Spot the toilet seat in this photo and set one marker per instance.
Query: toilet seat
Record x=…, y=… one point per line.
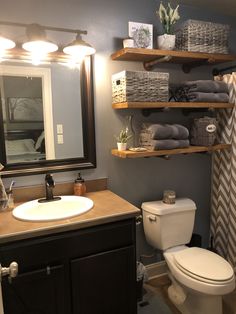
x=204, y=265
x=194, y=278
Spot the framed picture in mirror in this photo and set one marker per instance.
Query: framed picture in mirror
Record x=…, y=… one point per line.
x=25, y=109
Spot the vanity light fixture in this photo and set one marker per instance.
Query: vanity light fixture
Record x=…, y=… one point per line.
x=79, y=48
x=38, y=45
x=5, y=44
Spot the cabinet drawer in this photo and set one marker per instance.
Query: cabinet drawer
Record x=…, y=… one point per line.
x=38, y=251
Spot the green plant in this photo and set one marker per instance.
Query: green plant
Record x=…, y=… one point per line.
x=168, y=17
x=123, y=137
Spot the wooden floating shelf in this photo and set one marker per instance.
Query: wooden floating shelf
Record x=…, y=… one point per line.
x=147, y=55
x=177, y=151
x=151, y=105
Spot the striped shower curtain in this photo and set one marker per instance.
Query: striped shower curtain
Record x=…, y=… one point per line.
x=223, y=202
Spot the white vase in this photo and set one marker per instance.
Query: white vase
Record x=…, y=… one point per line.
x=128, y=43
x=121, y=146
x=166, y=42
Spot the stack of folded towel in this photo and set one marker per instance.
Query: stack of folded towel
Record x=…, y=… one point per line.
x=163, y=136
x=204, y=91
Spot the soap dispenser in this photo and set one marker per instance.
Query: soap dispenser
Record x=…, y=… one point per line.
x=79, y=186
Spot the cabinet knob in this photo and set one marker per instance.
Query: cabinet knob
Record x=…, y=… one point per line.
x=139, y=220
x=10, y=271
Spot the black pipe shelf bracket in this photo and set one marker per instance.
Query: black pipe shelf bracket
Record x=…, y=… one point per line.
x=188, y=66
x=216, y=71
x=149, y=65
x=188, y=111
x=146, y=112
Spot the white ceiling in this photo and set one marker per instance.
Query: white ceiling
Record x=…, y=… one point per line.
x=227, y=7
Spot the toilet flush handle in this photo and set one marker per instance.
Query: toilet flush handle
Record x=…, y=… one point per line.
x=151, y=218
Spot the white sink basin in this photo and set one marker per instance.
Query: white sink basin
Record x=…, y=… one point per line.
x=67, y=207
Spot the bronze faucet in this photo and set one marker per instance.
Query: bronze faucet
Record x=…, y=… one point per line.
x=49, y=186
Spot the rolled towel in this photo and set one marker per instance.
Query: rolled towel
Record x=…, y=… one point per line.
x=208, y=97
x=165, y=144
x=165, y=131
x=207, y=86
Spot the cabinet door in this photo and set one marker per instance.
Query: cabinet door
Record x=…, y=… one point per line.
x=36, y=292
x=104, y=283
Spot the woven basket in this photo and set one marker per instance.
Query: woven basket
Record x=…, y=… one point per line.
x=140, y=86
x=200, y=36
x=203, y=131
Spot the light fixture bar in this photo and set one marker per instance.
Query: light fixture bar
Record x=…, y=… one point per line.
x=51, y=28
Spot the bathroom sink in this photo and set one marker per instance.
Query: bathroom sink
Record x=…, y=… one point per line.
x=66, y=207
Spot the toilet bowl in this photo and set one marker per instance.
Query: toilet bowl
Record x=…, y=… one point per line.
x=199, y=277
x=199, y=280
x=200, y=270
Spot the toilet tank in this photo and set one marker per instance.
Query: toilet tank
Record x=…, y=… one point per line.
x=168, y=225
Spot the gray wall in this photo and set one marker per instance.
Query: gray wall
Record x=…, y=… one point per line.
x=135, y=180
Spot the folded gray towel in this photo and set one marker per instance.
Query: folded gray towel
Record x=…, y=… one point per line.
x=208, y=97
x=165, y=131
x=207, y=86
x=165, y=144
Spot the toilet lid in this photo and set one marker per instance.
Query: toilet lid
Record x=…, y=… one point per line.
x=204, y=264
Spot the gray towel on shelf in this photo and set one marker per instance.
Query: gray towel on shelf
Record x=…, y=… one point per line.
x=208, y=97
x=165, y=144
x=165, y=131
x=207, y=86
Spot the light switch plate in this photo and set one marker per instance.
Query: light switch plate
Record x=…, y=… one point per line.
x=59, y=129
x=60, y=139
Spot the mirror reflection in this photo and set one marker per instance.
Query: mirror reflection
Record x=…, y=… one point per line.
x=41, y=110
x=46, y=117
x=22, y=110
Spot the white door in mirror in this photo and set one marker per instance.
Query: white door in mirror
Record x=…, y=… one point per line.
x=68, y=206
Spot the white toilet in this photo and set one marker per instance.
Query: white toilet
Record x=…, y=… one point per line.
x=199, y=277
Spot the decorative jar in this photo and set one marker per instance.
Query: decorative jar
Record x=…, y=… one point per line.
x=166, y=42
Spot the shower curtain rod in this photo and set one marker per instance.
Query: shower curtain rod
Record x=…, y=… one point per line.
x=216, y=71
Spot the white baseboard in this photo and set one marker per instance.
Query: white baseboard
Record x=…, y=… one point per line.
x=156, y=269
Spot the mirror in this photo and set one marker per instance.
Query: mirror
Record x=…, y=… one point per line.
x=47, y=118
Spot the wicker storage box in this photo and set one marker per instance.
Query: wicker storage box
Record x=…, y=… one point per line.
x=200, y=36
x=140, y=86
x=203, y=131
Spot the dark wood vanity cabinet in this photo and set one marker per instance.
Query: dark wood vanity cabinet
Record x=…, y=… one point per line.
x=88, y=271
x=35, y=292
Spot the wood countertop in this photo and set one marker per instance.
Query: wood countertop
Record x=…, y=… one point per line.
x=108, y=207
